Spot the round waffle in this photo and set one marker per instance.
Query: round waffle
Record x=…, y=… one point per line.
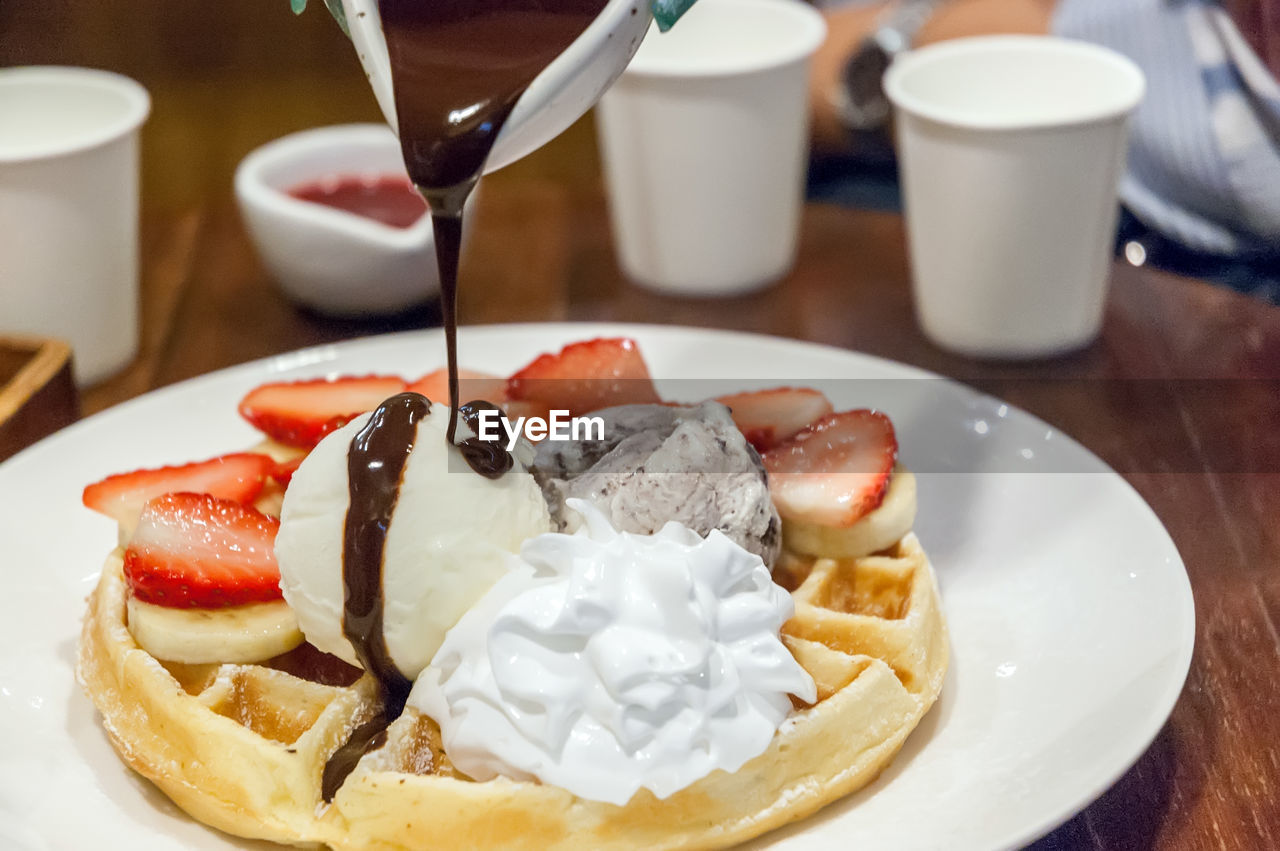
x=242, y=747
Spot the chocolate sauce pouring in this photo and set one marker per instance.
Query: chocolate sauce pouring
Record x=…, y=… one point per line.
x=457, y=67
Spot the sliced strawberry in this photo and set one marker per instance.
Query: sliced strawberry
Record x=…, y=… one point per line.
x=300, y=413
x=835, y=471
x=586, y=376
x=768, y=417
x=238, y=477
x=472, y=385
x=283, y=471
x=197, y=551
x=527, y=408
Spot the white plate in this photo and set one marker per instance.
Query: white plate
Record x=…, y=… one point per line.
x=1070, y=613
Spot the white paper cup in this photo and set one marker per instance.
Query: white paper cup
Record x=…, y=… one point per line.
x=69, y=211
x=1011, y=149
x=705, y=140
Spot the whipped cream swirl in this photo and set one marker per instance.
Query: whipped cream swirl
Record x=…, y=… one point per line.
x=607, y=662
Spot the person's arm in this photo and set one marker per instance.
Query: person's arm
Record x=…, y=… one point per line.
x=953, y=19
x=1259, y=23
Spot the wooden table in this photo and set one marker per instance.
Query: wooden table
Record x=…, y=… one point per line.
x=1181, y=394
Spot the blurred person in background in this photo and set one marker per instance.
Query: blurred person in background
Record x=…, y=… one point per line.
x=1202, y=192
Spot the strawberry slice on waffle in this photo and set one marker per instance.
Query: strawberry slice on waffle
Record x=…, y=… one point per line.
x=584, y=377
x=282, y=472
x=300, y=413
x=767, y=418
x=198, y=551
x=835, y=471
x=472, y=385
x=238, y=477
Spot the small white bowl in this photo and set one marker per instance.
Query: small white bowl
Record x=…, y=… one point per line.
x=330, y=260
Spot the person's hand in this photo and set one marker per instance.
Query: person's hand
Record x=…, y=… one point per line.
x=846, y=28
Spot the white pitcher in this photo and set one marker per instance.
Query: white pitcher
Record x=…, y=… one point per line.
x=559, y=96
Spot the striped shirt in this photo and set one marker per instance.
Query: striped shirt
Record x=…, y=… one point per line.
x=1204, y=156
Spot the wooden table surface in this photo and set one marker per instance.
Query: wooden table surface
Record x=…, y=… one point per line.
x=1181, y=394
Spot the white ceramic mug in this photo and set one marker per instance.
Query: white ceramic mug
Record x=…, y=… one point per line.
x=69, y=211
x=705, y=141
x=559, y=96
x=1011, y=150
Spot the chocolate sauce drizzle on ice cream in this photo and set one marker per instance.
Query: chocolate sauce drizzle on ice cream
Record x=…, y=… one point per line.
x=486, y=457
x=375, y=466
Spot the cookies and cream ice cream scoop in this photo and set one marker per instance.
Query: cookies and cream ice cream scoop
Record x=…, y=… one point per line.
x=660, y=463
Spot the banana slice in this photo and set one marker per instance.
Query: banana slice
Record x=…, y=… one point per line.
x=879, y=530
x=249, y=633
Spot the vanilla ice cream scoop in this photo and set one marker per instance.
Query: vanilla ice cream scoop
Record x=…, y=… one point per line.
x=447, y=542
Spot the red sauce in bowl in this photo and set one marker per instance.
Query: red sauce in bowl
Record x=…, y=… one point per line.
x=389, y=199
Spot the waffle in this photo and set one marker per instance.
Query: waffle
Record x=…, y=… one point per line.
x=242, y=747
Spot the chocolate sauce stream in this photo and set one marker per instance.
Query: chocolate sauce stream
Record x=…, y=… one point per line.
x=457, y=68
x=448, y=233
x=489, y=459
x=375, y=468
